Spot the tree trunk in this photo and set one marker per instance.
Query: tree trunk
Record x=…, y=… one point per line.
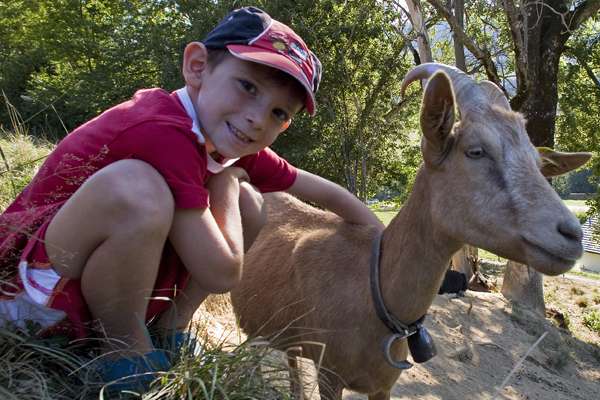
x=524, y=285
x=466, y=261
x=416, y=16
x=459, y=49
x=539, y=102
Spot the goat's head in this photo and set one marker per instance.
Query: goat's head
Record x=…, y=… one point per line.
x=489, y=188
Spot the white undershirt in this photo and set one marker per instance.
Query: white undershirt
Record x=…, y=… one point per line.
x=212, y=165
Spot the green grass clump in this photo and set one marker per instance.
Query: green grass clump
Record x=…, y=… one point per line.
x=248, y=371
x=21, y=156
x=592, y=320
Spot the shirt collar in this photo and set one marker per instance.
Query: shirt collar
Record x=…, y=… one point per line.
x=212, y=165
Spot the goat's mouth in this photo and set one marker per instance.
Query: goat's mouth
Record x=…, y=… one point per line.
x=548, y=261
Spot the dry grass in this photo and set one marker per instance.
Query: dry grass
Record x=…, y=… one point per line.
x=56, y=369
x=40, y=369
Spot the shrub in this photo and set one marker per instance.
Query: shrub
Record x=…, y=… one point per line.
x=592, y=320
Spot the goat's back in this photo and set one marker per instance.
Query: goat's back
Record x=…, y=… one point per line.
x=304, y=259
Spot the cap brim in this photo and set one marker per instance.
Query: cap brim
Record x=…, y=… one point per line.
x=279, y=62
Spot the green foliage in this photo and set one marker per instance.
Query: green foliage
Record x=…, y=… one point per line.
x=580, y=181
x=578, y=126
x=64, y=61
x=82, y=57
x=359, y=134
x=592, y=320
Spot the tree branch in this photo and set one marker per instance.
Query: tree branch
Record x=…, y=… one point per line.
x=588, y=70
x=516, y=30
x=582, y=12
x=482, y=55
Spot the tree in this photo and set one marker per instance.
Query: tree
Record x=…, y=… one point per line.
x=358, y=135
x=86, y=55
x=65, y=61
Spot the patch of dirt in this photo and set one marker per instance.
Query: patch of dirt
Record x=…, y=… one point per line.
x=477, y=350
x=480, y=338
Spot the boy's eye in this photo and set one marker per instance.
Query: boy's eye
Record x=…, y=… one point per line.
x=248, y=86
x=281, y=115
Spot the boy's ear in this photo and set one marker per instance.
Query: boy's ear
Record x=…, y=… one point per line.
x=285, y=125
x=195, y=57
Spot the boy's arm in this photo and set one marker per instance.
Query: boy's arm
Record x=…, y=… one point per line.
x=210, y=242
x=333, y=197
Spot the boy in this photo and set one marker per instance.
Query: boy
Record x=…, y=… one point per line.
x=119, y=214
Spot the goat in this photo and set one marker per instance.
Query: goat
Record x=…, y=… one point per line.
x=306, y=278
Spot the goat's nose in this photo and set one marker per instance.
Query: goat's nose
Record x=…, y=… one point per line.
x=570, y=229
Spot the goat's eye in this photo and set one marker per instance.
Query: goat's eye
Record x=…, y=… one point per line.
x=475, y=152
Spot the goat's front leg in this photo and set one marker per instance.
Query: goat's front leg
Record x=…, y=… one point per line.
x=383, y=395
x=296, y=383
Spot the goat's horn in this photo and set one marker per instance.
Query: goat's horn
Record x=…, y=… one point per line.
x=495, y=94
x=466, y=90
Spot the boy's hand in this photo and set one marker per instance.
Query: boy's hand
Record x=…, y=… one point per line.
x=236, y=173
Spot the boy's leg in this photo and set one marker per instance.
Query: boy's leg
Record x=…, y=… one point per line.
x=111, y=234
x=254, y=217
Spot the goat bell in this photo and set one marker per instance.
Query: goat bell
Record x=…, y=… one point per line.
x=421, y=345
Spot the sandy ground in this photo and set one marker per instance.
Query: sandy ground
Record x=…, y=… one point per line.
x=477, y=350
x=480, y=338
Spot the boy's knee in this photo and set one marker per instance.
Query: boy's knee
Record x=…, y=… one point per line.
x=135, y=191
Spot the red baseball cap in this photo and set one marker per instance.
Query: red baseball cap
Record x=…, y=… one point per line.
x=251, y=34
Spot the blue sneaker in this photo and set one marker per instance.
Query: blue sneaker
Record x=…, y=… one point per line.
x=181, y=342
x=132, y=373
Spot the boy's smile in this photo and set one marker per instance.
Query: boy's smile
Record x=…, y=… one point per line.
x=241, y=107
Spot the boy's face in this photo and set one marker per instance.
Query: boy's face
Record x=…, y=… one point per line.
x=241, y=107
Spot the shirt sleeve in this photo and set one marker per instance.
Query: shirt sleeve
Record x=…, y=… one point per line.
x=174, y=153
x=268, y=171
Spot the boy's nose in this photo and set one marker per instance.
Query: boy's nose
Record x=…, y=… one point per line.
x=256, y=117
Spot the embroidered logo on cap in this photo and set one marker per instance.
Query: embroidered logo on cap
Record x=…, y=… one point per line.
x=279, y=45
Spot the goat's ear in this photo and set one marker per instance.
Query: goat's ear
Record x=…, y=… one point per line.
x=556, y=163
x=437, y=118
